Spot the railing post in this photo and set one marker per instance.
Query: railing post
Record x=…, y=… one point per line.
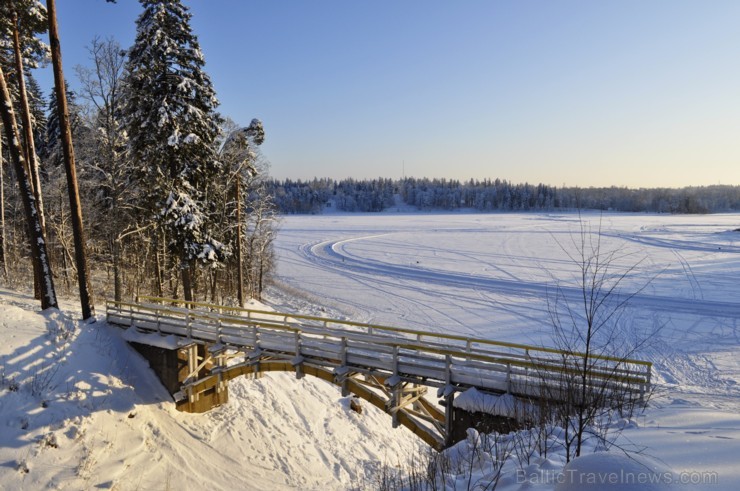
x=396, y=390
x=345, y=376
x=221, y=365
x=298, y=359
x=256, y=366
x=449, y=403
x=344, y=351
x=645, y=386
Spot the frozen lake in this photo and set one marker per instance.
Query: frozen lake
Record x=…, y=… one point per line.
x=498, y=275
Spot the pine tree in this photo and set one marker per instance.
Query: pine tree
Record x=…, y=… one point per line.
x=75, y=206
x=171, y=122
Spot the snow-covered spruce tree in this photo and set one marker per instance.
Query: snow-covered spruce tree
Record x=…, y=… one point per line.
x=171, y=122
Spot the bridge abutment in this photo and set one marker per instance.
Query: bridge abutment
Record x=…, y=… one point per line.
x=173, y=366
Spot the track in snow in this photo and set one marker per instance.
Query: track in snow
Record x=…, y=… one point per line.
x=491, y=276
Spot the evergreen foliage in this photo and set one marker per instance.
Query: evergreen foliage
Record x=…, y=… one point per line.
x=296, y=196
x=171, y=121
x=32, y=20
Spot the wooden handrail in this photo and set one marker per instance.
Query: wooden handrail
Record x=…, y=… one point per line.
x=467, y=340
x=551, y=365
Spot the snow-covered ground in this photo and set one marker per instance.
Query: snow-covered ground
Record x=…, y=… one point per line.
x=490, y=275
x=80, y=410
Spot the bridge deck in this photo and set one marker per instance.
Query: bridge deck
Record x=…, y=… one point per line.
x=450, y=363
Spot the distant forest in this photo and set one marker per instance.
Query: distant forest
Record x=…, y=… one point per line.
x=296, y=196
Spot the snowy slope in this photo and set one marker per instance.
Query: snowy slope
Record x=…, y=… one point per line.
x=81, y=410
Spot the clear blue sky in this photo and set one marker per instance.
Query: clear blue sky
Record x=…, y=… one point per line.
x=607, y=92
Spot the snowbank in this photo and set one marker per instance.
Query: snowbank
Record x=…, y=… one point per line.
x=80, y=409
x=473, y=400
x=614, y=471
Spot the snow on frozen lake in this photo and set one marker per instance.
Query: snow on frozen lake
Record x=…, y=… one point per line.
x=490, y=275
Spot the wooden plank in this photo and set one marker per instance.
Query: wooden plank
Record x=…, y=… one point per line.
x=365, y=349
x=419, y=334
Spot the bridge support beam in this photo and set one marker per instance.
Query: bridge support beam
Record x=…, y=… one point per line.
x=173, y=366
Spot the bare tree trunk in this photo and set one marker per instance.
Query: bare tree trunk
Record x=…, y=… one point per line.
x=88, y=309
x=29, y=147
x=117, y=285
x=3, y=258
x=159, y=274
x=187, y=284
x=214, y=285
x=260, y=280
x=36, y=233
x=239, y=263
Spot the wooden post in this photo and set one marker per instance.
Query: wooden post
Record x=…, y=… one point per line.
x=345, y=383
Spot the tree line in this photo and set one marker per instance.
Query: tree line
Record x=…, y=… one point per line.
x=488, y=195
x=173, y=194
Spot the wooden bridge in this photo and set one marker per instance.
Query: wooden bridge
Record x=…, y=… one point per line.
x=391, y=368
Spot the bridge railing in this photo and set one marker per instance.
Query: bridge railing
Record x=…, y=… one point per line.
x=468, y=361
x=428, y=338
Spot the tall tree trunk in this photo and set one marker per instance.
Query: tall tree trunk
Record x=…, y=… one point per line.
x=29, y=147
x=88, y=309
x=158, y=272
x=187, y=281
x=3, y=257
x=214, y=285
x=117, y=285
x=35, y=232
x=239, y=263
